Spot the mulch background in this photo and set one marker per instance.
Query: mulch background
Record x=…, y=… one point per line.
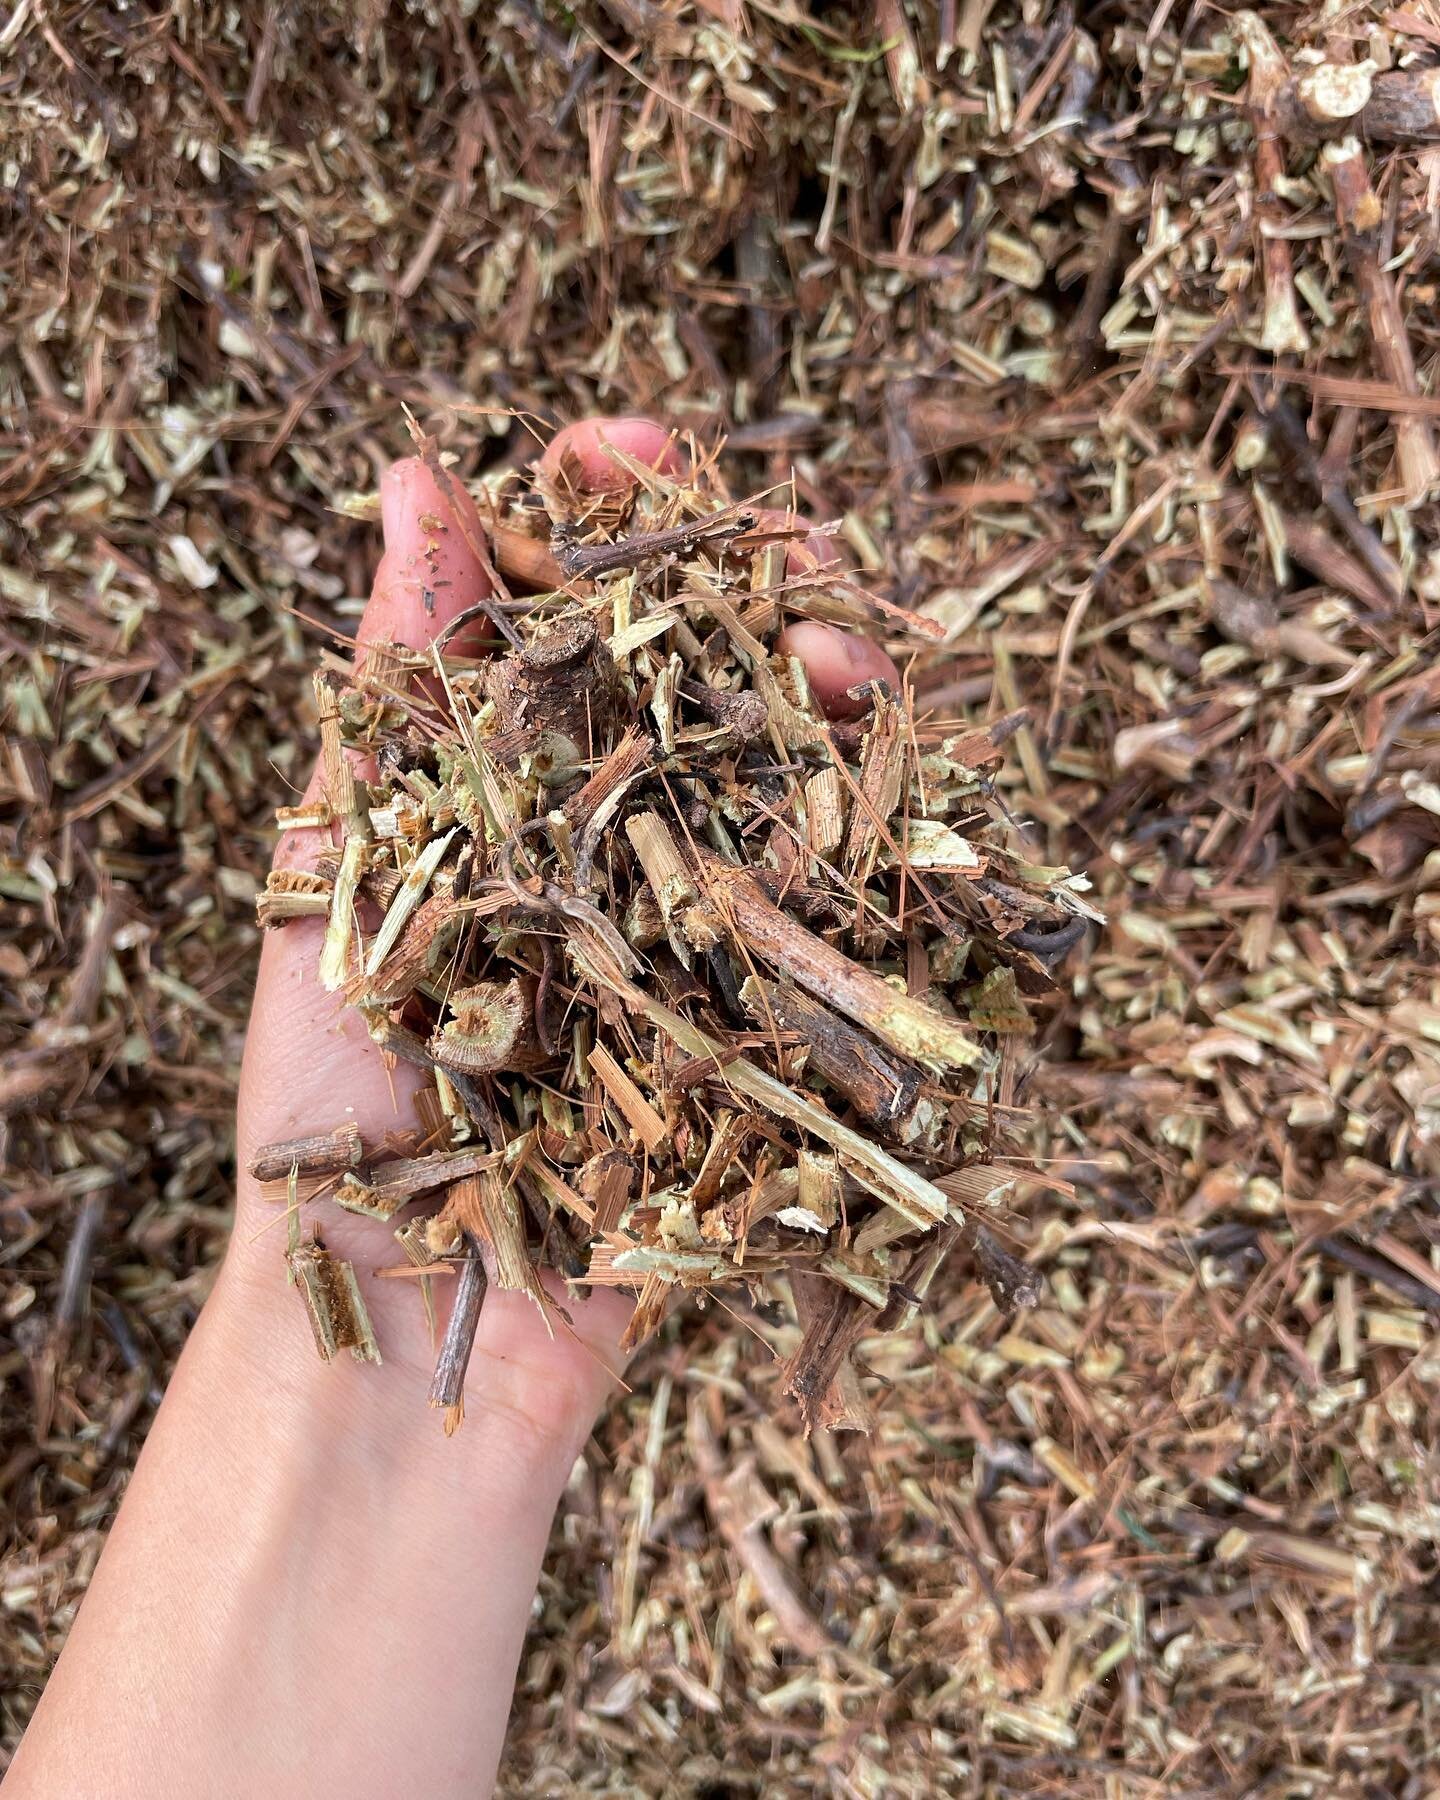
x=989, y=282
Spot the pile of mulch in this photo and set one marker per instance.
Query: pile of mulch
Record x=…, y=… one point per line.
x=1107, y=340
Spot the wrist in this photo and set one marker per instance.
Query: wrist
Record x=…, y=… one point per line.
x=302, y=1552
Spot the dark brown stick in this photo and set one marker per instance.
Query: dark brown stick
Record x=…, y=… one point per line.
x=1281, y=417
x=1309, y=543
x=1125, y=205
x=382, y=1191
x=1365, y=1262
x=330, y=1153
x=755, y=263
x=558, y=1245
x=1280, y=329
x=1012, y=1283
x=581, y=561
x=400, y=1041
x=79, y=1254
x=833, y=1320
x=734, y=904
x=447, y=1389
x=883, y=1088
x=1049, y=944
x=745, y=714
x=50, y=1351
x=559, y=681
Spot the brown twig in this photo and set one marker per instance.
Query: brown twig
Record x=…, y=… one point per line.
x=1393, y=106
x=1126, y=201
x=1359, y=213
x=1276, y=411
x=1013, y=1284
x=589, y=560
x=883, y=1088
x=1281, y=331
x=447, y=1389
x=731, y=902
x=330, y=1153
x=1380, y=1269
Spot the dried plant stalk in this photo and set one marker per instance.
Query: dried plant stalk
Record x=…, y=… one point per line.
x=1280, y=330
x=339, y=778
x=882, y=776
x=500, y=1225
x=734, y=902
x=447, y=1389
x=909, y=1194
x=330, y=1153
x=1360, y=216
x=333, y=1301
x=292, y=894
x=649, y=1128
x=335, y=950
x=407, y=897
x=834, y=1319
x=382, y=1191
x=494, y=1027
x=1391, y=106
x=883, y=1088
x=670, y=880
x=825, y=811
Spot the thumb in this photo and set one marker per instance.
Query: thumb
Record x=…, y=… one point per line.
x=309, y=1063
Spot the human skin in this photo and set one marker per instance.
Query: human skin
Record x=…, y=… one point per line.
x=309, y=1588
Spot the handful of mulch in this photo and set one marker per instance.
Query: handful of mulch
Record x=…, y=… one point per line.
x=715, y=989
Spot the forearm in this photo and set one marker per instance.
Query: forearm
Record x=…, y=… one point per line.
x=309, y=1587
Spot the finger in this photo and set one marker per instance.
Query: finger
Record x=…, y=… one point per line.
x=435, y=565
x=584, y=444
x=836, y=661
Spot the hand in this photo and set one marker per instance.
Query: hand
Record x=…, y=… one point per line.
x=310, y=1588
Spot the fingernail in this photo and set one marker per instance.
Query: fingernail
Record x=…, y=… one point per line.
x=636, y=436
x=836, y=661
